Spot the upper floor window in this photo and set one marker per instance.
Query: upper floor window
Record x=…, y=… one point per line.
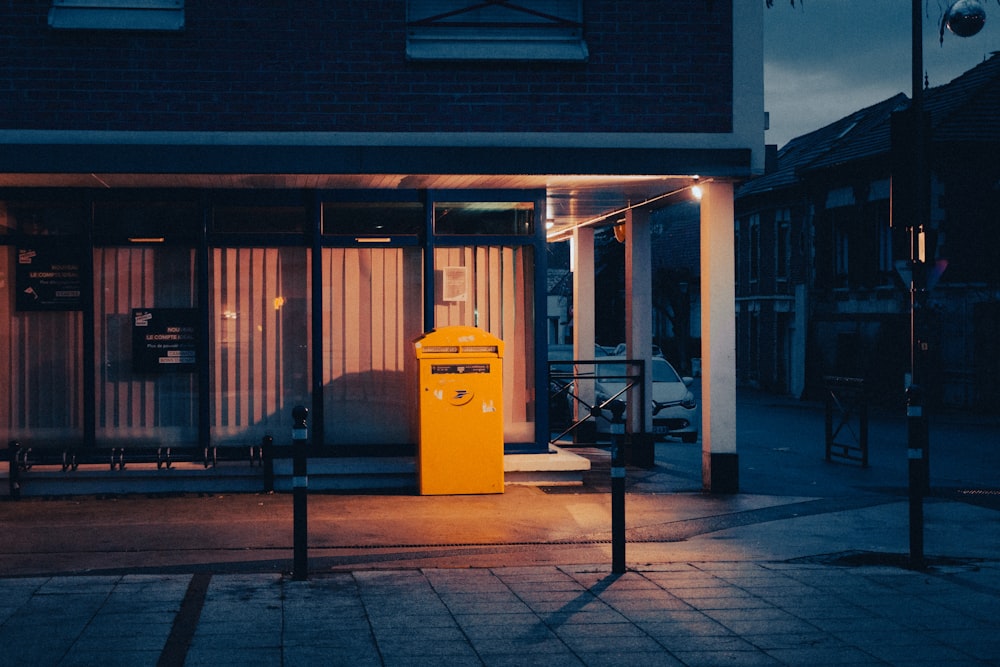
x=495, y=30
x=117, y=14
x=753, y=249
x=841, y=250
x=783, y=244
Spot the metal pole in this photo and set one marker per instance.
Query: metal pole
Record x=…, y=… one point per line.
x=300, y=489
x=13, y=447
x=267, y=462
x=916, y=420
x=617, y=489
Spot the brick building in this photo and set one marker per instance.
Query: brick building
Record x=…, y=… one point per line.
x=819, y=291
x=288, y=195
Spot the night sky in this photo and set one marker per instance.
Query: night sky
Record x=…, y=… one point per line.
x=824, y=59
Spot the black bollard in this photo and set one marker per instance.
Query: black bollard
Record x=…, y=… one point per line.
x=267, y=462
x=617, y=487
x=919, y=478
x=300, y=490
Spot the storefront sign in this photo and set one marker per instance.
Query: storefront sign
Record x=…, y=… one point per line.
x=164, y=340
x=49, y=278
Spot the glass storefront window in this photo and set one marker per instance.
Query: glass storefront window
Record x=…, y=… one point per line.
x=259, y=220
x=40, y=356
x=7, y=221
x=37, y=219
x=484, y=218
x=373, y=219
x=260, y=350
x=156, y=405
x=259, y=308
x=41, y=321
x=372, y=311
x=146, y=222
x=490, y=287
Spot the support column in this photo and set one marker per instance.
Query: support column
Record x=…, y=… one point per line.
x=583, y=293
x=639, y=308
x=720, y=461
x=582, y=253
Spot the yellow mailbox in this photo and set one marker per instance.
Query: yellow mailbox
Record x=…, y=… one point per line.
x=460, y=445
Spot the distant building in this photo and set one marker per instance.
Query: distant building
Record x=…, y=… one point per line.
x=818, y=291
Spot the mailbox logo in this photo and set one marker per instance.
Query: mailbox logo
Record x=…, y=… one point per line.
x=461, y=397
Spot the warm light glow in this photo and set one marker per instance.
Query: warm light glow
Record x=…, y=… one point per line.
x=145, y=239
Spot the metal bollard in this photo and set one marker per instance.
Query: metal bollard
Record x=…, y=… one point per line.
x=300, y=489
x=919, y=477
x=617, y=487
x=267, y=462
x=13, y=447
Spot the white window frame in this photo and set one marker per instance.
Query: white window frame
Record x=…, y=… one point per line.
x=117, y=15
x=495, y=30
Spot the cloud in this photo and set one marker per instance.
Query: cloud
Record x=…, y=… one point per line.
x=827, y=58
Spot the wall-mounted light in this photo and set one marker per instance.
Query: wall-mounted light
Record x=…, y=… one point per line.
x=619, y=229
x=696, y=190
x=145, y=239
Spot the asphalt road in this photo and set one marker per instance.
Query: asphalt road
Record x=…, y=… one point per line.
x=793, y=504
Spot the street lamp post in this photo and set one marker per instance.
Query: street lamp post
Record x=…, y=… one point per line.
x=917, y=440
x=963, y=18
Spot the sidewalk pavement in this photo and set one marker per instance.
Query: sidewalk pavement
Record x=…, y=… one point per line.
x=724, y=613
x=785, y=584
x=771, y=576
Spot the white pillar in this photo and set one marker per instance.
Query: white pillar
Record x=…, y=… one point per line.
x=583, y=318
x=639, y=307
x=583, y=293
x=720, y=462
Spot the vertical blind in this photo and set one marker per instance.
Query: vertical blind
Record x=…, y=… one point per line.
x=140, y=408
x=260, y=341
x=41, y=365
x=372, y=311
x=498, y=300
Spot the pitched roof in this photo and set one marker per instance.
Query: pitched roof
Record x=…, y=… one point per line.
x=962, y=110
x=966, y=108
x=807, y=150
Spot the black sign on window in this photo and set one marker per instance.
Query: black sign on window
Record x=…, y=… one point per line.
x=164, y=340
x=49, y=278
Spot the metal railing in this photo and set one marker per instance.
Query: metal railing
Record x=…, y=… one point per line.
x=592, y=391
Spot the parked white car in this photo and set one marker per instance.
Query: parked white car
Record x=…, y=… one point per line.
x=675, y=412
